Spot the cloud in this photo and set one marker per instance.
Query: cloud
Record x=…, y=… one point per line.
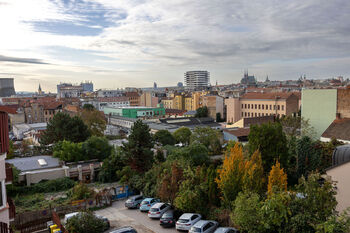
x=21, y=60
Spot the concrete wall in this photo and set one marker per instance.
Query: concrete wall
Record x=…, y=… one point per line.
x=341, y=175
x=319, y=107
x=343, y=103
x=48, y=174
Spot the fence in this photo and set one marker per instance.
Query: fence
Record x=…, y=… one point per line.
x=4, y=228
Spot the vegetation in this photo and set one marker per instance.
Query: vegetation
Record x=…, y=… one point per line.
x=208, y=137
x=183, y=135
x=164, y=137
x=63, y=127
x=86, y=222
x=202, y=112
x=94, y=120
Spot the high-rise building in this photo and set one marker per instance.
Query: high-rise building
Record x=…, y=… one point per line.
x=7, y=87
x=194, y=79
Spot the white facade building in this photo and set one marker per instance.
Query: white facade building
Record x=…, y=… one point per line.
x=198, y=78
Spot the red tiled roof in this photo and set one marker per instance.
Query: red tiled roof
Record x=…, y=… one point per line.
x=52, y=105
x=339, y=129
x=132, y=94
x=269, y=95
x=8, y=109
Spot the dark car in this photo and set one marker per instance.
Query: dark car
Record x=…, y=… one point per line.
x=169, y=218
x=124, y=230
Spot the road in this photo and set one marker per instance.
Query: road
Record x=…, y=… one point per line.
x=120, y=216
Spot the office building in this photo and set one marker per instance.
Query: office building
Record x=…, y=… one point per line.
x=197, y=79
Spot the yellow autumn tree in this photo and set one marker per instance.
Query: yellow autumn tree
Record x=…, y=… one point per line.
x=277, y=179
x=238, y=173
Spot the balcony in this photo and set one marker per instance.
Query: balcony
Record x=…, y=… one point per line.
x=9, y=173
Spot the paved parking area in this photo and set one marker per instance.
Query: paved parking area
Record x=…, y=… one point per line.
x=120, y=216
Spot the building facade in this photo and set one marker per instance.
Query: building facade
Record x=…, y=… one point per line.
x=7, y=87
x=215, y=104
x=261, y=104
x=195, y=79
x=135, y=112
x=34, y=113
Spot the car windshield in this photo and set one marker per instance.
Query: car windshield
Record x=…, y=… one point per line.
x=154, y=209
x=168, y=215
x=145, y=202
x=195, y=229
x=183, y=220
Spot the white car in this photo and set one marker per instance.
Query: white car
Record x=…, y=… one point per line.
x=226, y=230
x=158, y=209
x=204, y=226
x=186, y=221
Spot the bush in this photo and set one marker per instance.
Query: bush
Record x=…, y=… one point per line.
x=86, y=222
x=81, y=191
x=56, y=185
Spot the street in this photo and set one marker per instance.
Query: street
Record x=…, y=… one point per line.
x=120, y=216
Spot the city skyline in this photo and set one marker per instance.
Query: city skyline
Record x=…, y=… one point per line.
x=116, y=44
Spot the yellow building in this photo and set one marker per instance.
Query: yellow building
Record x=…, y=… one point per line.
x=179, y=102
x=168, y=103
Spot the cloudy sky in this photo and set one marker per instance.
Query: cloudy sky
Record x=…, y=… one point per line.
x=119, y=43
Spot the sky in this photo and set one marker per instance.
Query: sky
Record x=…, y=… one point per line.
x=133, y=43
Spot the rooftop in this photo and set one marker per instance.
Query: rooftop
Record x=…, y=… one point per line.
x=339, y=129
x=270, y=95
x=32, y=163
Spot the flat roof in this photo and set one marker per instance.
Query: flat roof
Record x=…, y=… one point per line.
x=32, y=163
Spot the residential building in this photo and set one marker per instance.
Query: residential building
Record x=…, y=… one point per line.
x=168, y=102
x=179, y=102
x=51, y=109
x=197, y=79
x=34, y=113
x=149, y=99
x=261, y=104
x=21, y=131
x=339, y=172
x=110, y=93
x=68, y=90
x=319, y=107
x=135, y=112
x=215, y=104
x=134, y=98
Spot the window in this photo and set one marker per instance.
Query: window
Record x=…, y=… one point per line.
x=249, y=114
x=245, y=114
x=255, y=106
x=259, y=106
x=242, y=114
x=262, y=106
x=259, y=114
x=242, y=106
x=248, y=106
x=278, y=107
x=256, y=114
x=282, y=107
x=267, y=106
x=270, y=107
x=245, y=105
x=274, y=107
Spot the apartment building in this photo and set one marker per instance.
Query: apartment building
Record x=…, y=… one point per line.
x=34, y=113
x=215, y=104
x=134, y=98
x=195, y=79
x=167, y=102
x=261, y=104
x=51, y=109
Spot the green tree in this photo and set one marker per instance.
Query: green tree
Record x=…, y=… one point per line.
x=81, y=192
x=85, y=222
x=111, y=165
x=195, y=154
x=94, y=120
x=270, y=140
x=164, y=137
x=63, y=127
x=88, y=107
x=202, y=112
x=218, y=117
x=170, y=183
x=69, y=151
x=96, y=148
x=209, y=137
x=183, y=135
x=138, y=148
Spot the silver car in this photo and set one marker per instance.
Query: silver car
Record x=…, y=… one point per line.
x=134, y=202
x=186, y=221
x=226, y=230
x=158, y=209
x=204, y=226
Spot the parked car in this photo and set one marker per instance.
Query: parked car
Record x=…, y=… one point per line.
x=68, y=216
x=226, y=230
x=169, y=218
x=204, y=226
x=134, y=202
x=186, y=221
x=158, y=209
x=147, y=203
x=124, y=230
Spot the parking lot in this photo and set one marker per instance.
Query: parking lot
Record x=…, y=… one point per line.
x=120, y=216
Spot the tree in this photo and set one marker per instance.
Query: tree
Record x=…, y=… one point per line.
x=170, y=183
x=138, y=148
x=164, y=137
x=94, y=120
x=277, y=179
x=195, y=154
x=296, y=126
x=69, y=151
x=63, y=127
x=218, y=117
x=209, y=137
x=111, y=165
x=88, y=107
x=202, y=112
x=270, y=140
x=238, y=174
x=85, y=222
x=183, y=135
x=81, y=192
x=96, y=148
